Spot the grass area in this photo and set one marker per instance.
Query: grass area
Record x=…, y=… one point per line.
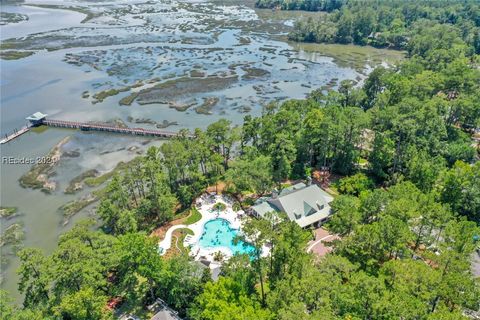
x=333, y=191
x=13, y=235
x=98, y=180
x=71, y=208
x=178, y=236
x=8, y=212
x=207, y=105
x=102, y=95
x=11, y=17
x=352, y=56
x=362, y=162
x=194, y=216
x=7, y=45
x=171, y=89
x=32, y=179
x=333, y=188
x=75, y=184
x=39, y=129
x=15, y=55
x=285, y=185
x=128, y=100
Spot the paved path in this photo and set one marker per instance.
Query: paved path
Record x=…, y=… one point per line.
x=166, y=243
x=318, y=246
x=317, y=242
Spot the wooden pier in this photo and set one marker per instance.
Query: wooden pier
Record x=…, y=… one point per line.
x=38, y=119
x=85, y=126
x=16, y=133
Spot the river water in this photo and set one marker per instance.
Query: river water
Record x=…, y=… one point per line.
x=220, y=59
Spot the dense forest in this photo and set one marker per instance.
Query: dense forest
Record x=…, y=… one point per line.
x=397, y=24
x=407, y=213
x=307, y=5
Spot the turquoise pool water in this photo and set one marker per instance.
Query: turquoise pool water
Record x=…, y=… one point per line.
x=218, y=233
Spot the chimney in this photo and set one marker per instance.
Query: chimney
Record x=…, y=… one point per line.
x=309, y=180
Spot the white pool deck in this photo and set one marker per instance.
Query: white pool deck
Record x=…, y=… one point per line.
x=205, y=207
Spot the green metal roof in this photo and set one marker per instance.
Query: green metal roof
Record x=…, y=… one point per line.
x=303, y=204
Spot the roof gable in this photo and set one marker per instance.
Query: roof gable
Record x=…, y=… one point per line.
x=304, y=205
x=36, y=116
x=308, y=209
x=303, y=202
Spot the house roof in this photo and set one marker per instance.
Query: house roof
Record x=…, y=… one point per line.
x=302, y=204
x=36, y=116
x=165, y=314
x=292, y=188
x=264, y=207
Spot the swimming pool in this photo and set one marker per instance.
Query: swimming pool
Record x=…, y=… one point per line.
x=218, y=233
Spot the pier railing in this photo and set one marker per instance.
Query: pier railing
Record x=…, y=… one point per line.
x=16, y=133
x=86, y=126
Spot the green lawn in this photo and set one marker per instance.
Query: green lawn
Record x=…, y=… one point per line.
x=194, y=216
x=178, y=238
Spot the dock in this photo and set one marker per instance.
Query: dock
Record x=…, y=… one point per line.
x=16, y=133
x=85, y=126
x=38, y=119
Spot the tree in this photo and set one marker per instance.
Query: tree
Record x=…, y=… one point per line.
x=35, y=278
x=115, y=220
x=346, y=215
x=225, y=299
x=249, y=175
x=256, y=232
x=85, y=304
x=373, y=244
x=283, y=154
x=182, y=282
x=354, y=185
x=223, y=137
x=456, y=287
x=381, y=157
x=8, y=311
x=373, y=86
x=460, y=188
x=424, y=170
x=139, y=266
x=411, y=287
x=288, y=244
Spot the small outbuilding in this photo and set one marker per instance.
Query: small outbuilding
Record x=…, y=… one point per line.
x=36, y=119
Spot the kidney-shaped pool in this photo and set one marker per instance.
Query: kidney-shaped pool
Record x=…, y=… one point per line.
x=218, y=233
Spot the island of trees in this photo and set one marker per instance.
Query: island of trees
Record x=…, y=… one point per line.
x=408, y=211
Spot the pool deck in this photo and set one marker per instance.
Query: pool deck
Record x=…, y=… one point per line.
x=206, y=203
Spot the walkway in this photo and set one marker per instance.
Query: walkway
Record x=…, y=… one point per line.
x=166, y=243
x=14, y=135
x=318, y=246
x=86, y=126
